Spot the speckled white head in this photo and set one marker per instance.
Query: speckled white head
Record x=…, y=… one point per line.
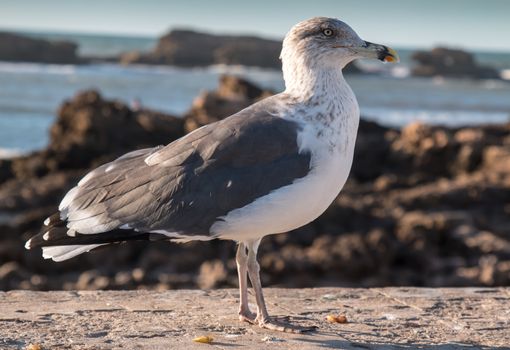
x=322, y=43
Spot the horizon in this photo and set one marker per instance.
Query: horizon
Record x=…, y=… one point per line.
x=455, y=23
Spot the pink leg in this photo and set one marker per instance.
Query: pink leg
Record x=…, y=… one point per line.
x=242, y=269
x=263, y=319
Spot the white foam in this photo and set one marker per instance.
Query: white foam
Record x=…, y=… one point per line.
x=7, y=153
x=397, y=117
x=30, y=68
x=505, y=74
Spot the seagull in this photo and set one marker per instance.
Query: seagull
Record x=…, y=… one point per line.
x=270, y=168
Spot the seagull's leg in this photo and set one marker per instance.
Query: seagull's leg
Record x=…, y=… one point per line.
x=263, y=318
x=242, y=269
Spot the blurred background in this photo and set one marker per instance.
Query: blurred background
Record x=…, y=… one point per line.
x=428, y=199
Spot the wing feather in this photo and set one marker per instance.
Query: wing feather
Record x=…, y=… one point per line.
x=184, y=187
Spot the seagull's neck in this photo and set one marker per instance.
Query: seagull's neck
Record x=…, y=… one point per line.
x=327, y=105
x=324, y=93
x=305, y=83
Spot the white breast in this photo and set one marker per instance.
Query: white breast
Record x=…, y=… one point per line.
x=305, y=199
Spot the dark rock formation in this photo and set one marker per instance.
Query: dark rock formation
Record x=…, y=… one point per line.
x=89, y=125
x=19, y=48
x=232, y=95
x=446, y=62
x=187, y=48
x=424, y=205
x=90, y=130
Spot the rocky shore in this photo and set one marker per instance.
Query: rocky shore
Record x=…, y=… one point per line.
x=424, y=206
x=189, y=48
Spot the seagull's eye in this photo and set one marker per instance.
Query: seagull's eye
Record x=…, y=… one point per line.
x=327, y=32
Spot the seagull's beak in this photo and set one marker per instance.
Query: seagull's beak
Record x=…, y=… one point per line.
x=380, y=52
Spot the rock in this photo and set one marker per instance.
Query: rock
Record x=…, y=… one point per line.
x=425, y=205
x=92, y=280
x=89, y=127
x=5, y=170
x=188, y=48
x=232, y=95
x=20, y=48
x=371, y=151
x=12, y=275
x=448, y=62
x=497, y=159
x=213, y=274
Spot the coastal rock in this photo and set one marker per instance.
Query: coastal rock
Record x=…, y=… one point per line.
x=232, y=95
x=188, y=48
x=89, y=131
x=5, y=170
x=447, y=62
x=20, y=48
x=424, y=205
x=213, y=274
x=89, y=127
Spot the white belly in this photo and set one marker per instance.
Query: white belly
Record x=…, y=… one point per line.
x=291, y=206
x=331, y=143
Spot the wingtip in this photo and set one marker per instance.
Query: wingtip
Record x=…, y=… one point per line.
x=28, y=244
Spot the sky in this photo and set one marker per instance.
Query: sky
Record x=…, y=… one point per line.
x=472, y=24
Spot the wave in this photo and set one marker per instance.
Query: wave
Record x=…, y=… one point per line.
x=400, y=72
x=7, y=153
x=454, y=118
x=31, y=68
x=505, y=74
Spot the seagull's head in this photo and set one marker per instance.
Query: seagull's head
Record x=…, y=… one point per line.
x=322, y=42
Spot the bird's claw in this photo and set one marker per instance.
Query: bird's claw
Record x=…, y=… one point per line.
x=282, y=326
x=247, y=316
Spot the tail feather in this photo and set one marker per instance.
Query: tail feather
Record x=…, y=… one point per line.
x=64, y=252
x=61, y=243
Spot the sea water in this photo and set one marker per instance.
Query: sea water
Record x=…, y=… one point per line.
x=30, y=94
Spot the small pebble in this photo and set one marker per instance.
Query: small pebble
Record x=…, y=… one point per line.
x=205, y=339
x=34, y=347
x=336, y=318
x=269, y=339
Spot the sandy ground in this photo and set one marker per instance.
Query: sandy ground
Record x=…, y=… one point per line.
x=386, y=318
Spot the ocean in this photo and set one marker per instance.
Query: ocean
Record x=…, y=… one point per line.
x=30, y=94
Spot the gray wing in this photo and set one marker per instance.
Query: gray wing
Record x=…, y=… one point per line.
x=187, y=185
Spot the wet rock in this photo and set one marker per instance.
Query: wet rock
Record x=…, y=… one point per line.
x=448, y=62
